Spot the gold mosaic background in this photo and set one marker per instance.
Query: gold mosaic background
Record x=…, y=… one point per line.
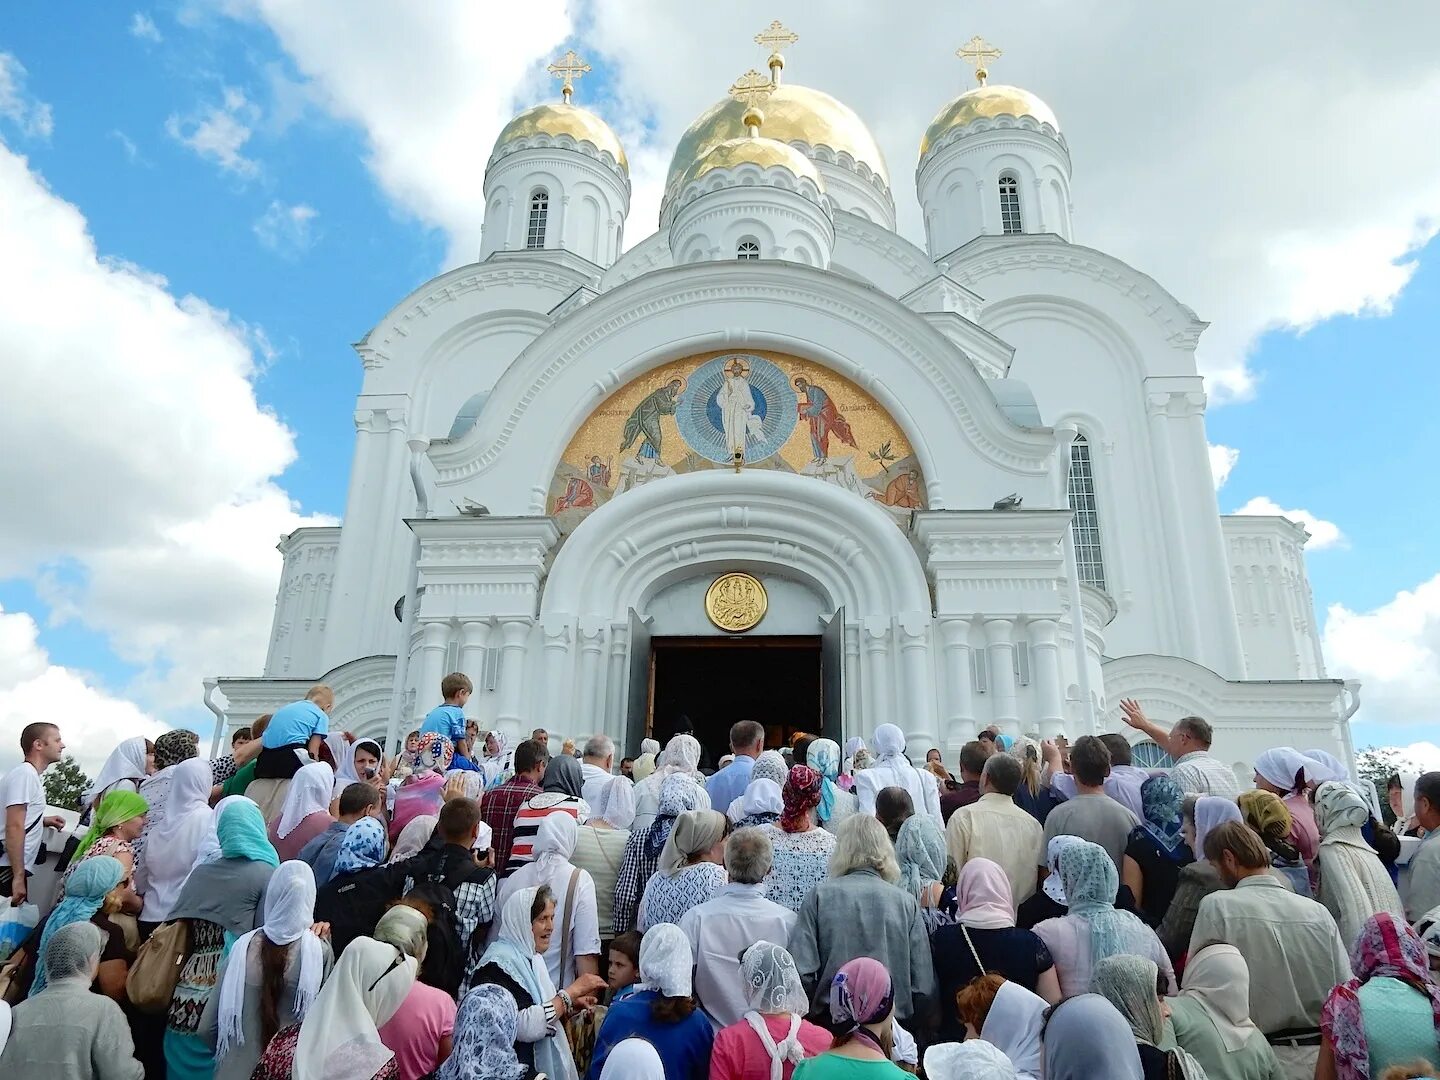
x=883, y=460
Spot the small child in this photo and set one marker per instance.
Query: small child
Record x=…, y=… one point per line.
x=624, y=966
x=448, y=720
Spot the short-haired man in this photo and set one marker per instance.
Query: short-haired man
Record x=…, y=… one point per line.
x=541, y=736
x=734, y=918
x=500, y=804
x=995, y=828
x=293, y=736
x=448, y=718
x=357, y=801
x=972, y=763
x=1290, y=943
x=597, y=759
x=1091, y=815
x=1123, y=784
x=23, y=796
x=747, y=741
x=893, y=807
x=1422, y=886
x=627, y=768
x=1197, y=771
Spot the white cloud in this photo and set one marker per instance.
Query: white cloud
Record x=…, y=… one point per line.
x=1394, y=650
x=1238, y=189
x=34, y=119
x=144, y=28
x=286, y=230
x=1222, y=461
x=219, y=132
x=1323, y=534
x=127, y=144
x=33, y=687
x=135, y=446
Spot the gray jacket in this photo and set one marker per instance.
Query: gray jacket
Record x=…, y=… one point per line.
x=65, y=1032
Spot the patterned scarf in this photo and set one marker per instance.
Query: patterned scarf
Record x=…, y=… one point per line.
x=861, y=994
x=1160, y=799
x=801, y=794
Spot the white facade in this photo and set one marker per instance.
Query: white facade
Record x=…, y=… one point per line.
x=1005, y=358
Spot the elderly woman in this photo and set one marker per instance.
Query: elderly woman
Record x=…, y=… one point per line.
x=922, y=855
x=1092, y=929
x=662, y=1012
x=691, y=868
x=1130, y=983
x=1354, y=885
x=1266, y=813
x=861, y=998
x=770, y=765
x=762, y=804
x=66, y=1032
x=1156, y=851
x=836, y=804
x=681, y=758
x=1197, y=879
x=422, y=793
x=1087, y=1038
x=802, y=850
x=1389, y=1013
x=678, y=795
x=421, y=1029
x=858, y=911
x=559, y=793
x=600, y=846
x=574, y=890
x=484, y=1043
x=306, y=810
x=114, y=827
x=90, y=892
x=1211, y=1018
x=515, y=961
x=773, y=1036
x=269, y=978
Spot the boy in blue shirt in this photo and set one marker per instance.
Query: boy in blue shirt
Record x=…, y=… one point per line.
x=295, y=728
x=449, y=719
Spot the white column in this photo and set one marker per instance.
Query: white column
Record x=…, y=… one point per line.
x=876, y=685
x=854, y=681
x=553, y=714
x=434, y=640
x=1000, y=654
x=1171, y=523
x=917, y=686
x=474, y=636
x=959, y=709
x=616, y=685
x=1045, y=662
x=589, y=706
x=514, y=633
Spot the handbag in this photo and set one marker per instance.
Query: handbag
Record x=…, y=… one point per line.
x=151, y=982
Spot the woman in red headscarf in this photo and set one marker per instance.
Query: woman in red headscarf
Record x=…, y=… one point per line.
x=802, y=849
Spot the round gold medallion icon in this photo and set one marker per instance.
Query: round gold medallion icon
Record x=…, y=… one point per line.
x=736, y=602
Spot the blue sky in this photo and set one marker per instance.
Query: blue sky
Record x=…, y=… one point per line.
x=313, y=224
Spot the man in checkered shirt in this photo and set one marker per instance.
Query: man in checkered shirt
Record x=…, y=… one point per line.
x=499, y=806
x=452, y=861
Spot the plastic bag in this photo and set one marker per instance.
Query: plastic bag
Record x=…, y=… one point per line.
x=16, y=924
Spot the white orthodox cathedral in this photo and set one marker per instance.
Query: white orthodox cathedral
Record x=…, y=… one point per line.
x=963, y=485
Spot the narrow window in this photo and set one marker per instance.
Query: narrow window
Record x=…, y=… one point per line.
x=539, y=211
x=1085, y=525
x=1009, y=204
x=747, y=249
x=1147, y=755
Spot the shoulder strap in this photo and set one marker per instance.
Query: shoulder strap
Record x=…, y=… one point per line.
x=565, y=950
x=964, y=930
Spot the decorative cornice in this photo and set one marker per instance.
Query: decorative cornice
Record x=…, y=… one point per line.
x=983, y=124
x=889, y=245
x=746, y=175
x=545, y=141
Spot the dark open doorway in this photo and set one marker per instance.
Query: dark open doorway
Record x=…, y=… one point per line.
x=717, y=681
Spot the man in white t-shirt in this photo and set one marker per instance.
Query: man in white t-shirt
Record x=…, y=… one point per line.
x=24, y=799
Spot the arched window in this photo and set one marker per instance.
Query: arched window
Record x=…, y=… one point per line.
x=1147, y=755
x=539, y=211
x=1009, y=204
x=1085, y=525
x=747, y=249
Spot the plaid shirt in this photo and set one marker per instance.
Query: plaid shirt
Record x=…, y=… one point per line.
x=498, y=809
x=474, y=895
x=636, y=870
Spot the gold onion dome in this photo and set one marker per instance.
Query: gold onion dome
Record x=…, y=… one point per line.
x=558, y=118
x=752, y=150
x=986, y=102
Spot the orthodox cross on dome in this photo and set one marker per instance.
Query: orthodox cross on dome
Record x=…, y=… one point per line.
x=979, y=52
x=776, y=37
x=753, y=89
x=568, y=68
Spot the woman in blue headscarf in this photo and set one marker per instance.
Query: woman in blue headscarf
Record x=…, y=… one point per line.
x=836, y=804
x=1156, y=850
x=85, y=895
x=1092, y=929
x=222, y=899
x=362, y=847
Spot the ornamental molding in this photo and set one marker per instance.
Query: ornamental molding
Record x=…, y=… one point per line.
x=825, y=155
x=893, y=248
x=746, y=174
x=1189, y=686
x=1018, y=126
x=1175, y=404
x=696, y=218
x=545, y=141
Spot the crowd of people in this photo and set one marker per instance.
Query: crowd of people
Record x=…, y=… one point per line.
x=307, y=908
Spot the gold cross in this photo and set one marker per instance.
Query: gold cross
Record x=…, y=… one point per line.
x=752, y=88
x=979, y=52
x=775, y=37
x=568, y=68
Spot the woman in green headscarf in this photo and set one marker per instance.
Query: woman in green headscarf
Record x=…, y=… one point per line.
x=118, y=820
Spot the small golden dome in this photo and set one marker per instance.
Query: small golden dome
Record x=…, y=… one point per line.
x=559, y=118
x=752, y=150
x=792, y=114
x=986, y=101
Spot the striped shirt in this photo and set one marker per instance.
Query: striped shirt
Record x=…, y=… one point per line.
x=527, y=823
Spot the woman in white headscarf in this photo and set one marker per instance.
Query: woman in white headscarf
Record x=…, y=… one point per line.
x=1354, y=884
x=347, y=768
x=1211, y=1018
x=972, y=1060
x=274, y=972
x=762, y=804
x=1400, y=793
x=413, y=837
x=691, y=868
x=176, y=839
x=682, y=755
x=770, y=765
x=892, y=769
x=1014, y=1026
x=633, y=1059
x=645, y=764
x=661, y=1011
x=1198, y=879
x=773, y=1036
x=306, y=811
x=124, y=770
x=600, y=846
x=575, y=907
x=1286, y=771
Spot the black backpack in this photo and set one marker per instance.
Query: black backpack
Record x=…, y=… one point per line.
x=435, y=875
x=353, y=904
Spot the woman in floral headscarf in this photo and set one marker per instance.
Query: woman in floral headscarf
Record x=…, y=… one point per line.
x=1389, y=1013
x=483, y=1045
x=642, y=851
x=836, y=804
x=1156, y=850
x=773, y=1036
x=862, y=1007
x=802, y=850
x=681, y=758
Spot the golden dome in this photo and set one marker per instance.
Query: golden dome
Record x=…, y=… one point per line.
x=792, y=114
x=986, y=101
x=752, y=150
x=559, y=118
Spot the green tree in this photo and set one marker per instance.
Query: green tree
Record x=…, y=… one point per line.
x=1377, y=764
x=65, y=784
